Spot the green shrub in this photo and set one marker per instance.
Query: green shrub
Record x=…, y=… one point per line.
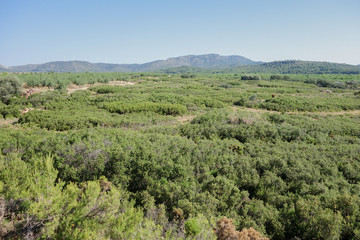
x=240, y=102
x=160, y=108
x=188, y=75
x=280, y=77
x=250, y=77
x=192, y=227
x=106, y=89
x=10, y=86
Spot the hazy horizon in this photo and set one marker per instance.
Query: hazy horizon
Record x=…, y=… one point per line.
x=80, y=60
x=127, y=32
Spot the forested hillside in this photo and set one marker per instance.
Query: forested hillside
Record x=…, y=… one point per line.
x=179, y=156
x=277, y=67
x=300, y=67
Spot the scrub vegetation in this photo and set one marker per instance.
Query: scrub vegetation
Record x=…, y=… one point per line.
x=180, y=156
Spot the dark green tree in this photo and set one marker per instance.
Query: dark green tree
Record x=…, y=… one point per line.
x=10, y=85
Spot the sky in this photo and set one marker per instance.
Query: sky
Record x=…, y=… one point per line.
x=138, y=31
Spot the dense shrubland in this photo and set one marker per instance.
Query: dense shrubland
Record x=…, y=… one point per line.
x=52, y=79
x=114, y=162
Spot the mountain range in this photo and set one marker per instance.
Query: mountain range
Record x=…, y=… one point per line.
x=193, y=63
x=207, y=61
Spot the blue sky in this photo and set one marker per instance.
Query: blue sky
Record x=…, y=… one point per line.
x=139, y=31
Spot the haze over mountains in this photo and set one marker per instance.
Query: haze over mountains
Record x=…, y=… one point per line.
x=190, y=63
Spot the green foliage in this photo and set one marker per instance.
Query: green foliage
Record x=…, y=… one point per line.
x=298, y=67
x=10, y=86
x=105, y=89
x=160, y=108
x=192, y=227
x=280, y=77
x=7, y=111
x=313, y=221
x=199, y=228
x=187, y=75
x=61, y=87
x=320, y=103
x=40, y=99
x=290, y=172
x=240, y=102
x=63, y=120
x=250, y=77
x=89, y=211
x=332, y=84
x=60, y=80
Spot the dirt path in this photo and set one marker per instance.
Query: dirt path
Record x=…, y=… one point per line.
x=9, y=121
x=253, y=110
x=72, y=89
x=185, y=119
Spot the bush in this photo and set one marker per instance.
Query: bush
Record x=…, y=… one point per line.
x=226, y=230
x=327, y=83
x=89, y=210
x=61, y=86
x=188, y=75
x=105, y=89
x=240, y=102
x=250, y=77
x=161, y=108
x=192, y=227
x=9, y=86
x=280, y=77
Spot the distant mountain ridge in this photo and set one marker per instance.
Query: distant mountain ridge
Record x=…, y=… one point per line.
x=2, y=68
x=207, y=61
x=195, y=64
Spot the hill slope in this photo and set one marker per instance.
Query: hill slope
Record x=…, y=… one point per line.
x=208, y=61
x=59, y=66
x=298, y=67
x=195, y=64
